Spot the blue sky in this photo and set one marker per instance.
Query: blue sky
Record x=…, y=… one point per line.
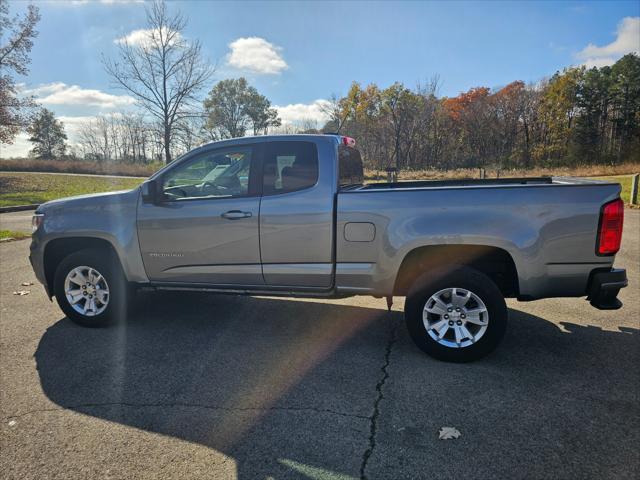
x=297, y=53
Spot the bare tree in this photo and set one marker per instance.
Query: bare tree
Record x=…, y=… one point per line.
x=308, y=125
x=119, y=137
x=95, y=139
x=132, y=130
x=191, y=132
x=337, y=113
x=163, y=72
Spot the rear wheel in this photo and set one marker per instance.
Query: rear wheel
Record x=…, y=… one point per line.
x=90, y=288
x=456, y=315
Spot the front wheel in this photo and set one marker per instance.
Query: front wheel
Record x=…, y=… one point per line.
x=456, y=315
x=90, y=288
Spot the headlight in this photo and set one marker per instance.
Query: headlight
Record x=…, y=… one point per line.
x=36, y=220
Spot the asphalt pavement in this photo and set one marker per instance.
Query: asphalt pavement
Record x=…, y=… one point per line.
x=205, y=386
x=16, y=221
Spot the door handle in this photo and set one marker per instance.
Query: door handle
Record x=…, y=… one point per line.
x=235, y=215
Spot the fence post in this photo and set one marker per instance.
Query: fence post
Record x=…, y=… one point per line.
x=482, y=174
x=634, y=189
x=392, y=174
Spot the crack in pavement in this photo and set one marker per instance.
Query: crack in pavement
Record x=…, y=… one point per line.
x=373, y=419
x=184, y=405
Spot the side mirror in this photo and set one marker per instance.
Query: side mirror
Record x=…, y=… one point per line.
x=150, y=191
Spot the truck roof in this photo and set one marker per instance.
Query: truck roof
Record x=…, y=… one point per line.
x=267, y=138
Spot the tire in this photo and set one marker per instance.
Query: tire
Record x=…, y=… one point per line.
x=105, y=310
x=425, y=315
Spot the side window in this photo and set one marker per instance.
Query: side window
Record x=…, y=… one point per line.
x=290, y=166
x=218, y=173
x=350, y=166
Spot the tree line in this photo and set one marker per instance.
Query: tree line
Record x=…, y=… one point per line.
x=578, y=116
x=232, y=108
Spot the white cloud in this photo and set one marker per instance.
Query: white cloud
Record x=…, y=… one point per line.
x=19, y=148
x=297, y=113
x=627, y=41
x=59, y=93
x=142, y=37
x=599, y=62
x=63, y=95
x=256, y=55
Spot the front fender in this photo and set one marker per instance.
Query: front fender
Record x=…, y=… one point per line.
x=111, y=218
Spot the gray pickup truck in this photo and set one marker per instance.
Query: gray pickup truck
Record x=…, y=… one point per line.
x=290, y=215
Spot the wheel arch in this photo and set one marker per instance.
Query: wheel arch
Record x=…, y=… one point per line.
x=57, y=249
x=493, y=261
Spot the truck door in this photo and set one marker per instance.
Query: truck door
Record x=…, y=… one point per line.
x=204, y=229
x=296, y=213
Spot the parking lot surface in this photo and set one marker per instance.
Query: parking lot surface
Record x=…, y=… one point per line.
x=204, y=386
x=16, y=221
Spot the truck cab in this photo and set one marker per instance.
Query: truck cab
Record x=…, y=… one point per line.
x=264, y=221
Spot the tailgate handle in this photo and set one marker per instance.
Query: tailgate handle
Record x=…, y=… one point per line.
x=235, y=215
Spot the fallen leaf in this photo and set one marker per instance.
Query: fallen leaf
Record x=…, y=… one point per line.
x=447, y=433
x=27, y=284
x=22, y=292
x=12, y=423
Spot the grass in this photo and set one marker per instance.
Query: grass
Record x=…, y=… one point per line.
x=30, y=188
x=624, y=181
x=13, y=235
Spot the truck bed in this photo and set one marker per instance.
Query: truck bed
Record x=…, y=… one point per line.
x=548, y=226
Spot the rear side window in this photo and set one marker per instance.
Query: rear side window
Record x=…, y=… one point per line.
x=349, y=166
x=289, y=166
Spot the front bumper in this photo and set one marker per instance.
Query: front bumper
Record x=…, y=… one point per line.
x=604, y=287
x=36, y=257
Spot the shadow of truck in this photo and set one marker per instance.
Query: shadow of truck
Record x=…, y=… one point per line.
x=287, y=388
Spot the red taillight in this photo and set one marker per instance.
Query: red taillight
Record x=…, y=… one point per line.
x=610, y=234
x=349, y=142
